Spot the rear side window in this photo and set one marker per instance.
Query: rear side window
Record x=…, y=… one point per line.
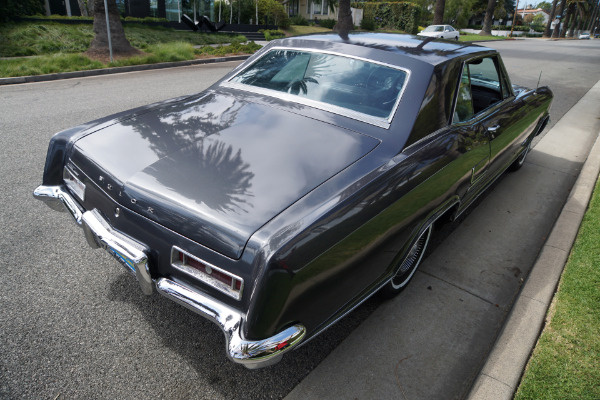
x=481, y=87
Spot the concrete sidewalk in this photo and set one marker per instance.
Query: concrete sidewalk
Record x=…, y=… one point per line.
x=466, y=325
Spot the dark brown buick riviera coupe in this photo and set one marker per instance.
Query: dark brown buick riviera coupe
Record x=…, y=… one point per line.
x=304, y=181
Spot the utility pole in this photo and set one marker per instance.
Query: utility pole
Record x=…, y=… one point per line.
x=512, y=27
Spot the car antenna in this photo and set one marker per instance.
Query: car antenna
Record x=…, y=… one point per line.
x=538, y=84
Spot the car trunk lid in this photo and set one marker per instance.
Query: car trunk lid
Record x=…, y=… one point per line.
x=216, y=168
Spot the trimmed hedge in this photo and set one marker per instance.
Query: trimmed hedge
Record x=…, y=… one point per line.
x=403, y=16
x=10, y=9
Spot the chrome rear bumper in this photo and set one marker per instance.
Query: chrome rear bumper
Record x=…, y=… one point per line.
x=132, y=254
x=251, y=353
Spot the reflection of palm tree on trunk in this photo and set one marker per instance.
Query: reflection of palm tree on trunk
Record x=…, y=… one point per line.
x=182, y=124
x=184, y=137
x=218, y=160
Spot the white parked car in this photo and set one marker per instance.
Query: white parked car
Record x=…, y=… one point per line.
x=584, y=35
x=440, y=32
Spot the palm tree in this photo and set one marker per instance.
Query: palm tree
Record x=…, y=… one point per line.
x=99, y=45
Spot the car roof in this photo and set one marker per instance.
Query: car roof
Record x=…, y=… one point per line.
x=425, y=49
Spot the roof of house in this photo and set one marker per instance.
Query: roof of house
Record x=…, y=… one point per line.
x=531, y=11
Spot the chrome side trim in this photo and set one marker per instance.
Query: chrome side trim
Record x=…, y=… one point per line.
x=250, y=353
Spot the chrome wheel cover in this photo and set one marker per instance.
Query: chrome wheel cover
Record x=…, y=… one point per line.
x=411, y=261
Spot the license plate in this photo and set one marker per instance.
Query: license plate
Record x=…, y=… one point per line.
x=122, y=259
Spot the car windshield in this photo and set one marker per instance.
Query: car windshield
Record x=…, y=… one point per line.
x=434, y=28
x=352, y=84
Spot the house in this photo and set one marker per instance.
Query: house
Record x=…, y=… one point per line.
x=533, y=12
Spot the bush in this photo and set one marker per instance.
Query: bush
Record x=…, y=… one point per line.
x=403, y=16
x=272, y=34
x=145, y=19
x=327, y=23
x=298, y=20
x=367, y=24
x=248, y=48
x=10, y=9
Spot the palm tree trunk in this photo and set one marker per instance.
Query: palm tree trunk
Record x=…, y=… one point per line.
x=344, y=24
x=489, y=17
x=593, y=17
x=99, y=45
x=561, y=12
x=83, y=8
x=547, y=31
x=567, y=20
x=580, y=19
x=438, y=14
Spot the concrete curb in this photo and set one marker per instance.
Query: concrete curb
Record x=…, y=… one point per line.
x=501, y=375
x=116, y=70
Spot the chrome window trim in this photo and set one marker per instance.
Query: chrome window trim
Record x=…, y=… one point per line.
x=362, y=117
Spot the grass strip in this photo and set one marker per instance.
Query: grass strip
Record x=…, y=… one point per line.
x=44, y=38
x=156, y=53
x=565, y=362
x=41, y=65
x=478, y=38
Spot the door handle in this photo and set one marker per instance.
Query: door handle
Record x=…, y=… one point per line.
x=492, y=130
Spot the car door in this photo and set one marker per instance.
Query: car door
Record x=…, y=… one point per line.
x=486, y=111
x=494, y=98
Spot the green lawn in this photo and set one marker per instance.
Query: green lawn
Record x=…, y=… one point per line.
x=51, y=47
x=474, y=38
x=566, y=361
x=44, y=38
x=297, y=30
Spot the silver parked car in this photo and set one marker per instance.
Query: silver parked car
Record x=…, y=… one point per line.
x=440, y=32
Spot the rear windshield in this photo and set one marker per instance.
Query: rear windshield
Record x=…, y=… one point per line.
x=357, y=85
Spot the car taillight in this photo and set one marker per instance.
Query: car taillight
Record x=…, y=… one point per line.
x=216, y=277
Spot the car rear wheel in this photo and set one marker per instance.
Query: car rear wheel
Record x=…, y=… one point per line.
x=408, y=265
x=518, y=163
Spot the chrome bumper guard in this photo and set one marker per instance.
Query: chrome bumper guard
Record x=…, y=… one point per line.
x=132, y=254
x=250, y=353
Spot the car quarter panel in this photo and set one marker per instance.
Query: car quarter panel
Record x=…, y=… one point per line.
x=369, y=224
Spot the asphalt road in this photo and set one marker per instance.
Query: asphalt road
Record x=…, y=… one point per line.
x=75, y=325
